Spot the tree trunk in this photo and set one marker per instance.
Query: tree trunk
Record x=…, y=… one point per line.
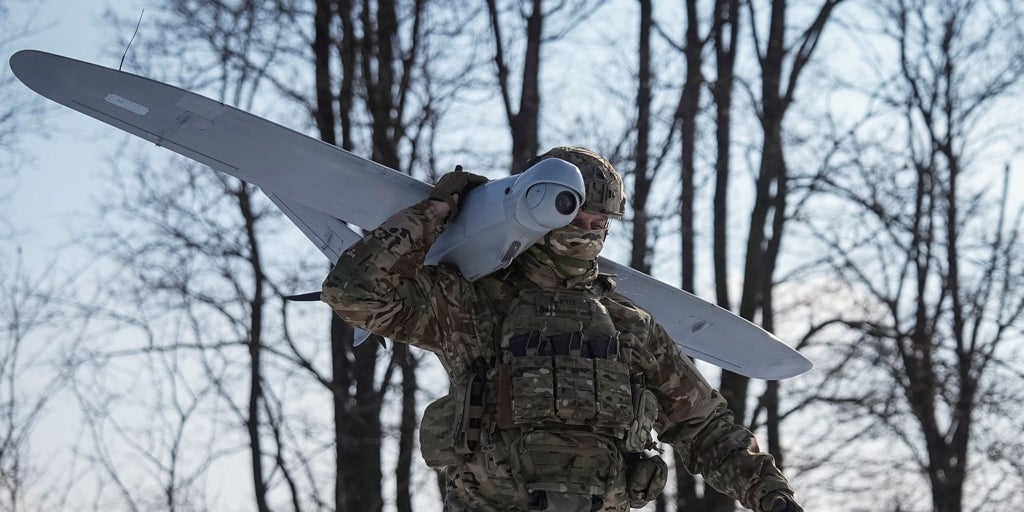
x=356, y=448
x=524, y=124
x=689, y=104
x=322, y=43
x=252, y=422
x=364, y=466
x=726, y=34
x=407, y=429
x=341, y=349
x=768, y=216
x=639, y=258
x=348, y=55
x=386, y=69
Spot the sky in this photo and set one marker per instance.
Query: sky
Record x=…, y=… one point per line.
x=62, y=162
x=61, y=167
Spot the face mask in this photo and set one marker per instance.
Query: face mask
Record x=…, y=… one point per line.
x=565, y=257
x=573, y=242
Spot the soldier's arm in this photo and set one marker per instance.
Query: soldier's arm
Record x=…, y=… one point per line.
x=380, y=284
x=696, y=421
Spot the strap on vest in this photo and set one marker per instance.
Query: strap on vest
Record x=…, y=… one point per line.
x=473, y=409
x=567, y=344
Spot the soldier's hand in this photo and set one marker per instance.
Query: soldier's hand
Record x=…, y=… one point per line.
x=780, y=502
x=452, y=187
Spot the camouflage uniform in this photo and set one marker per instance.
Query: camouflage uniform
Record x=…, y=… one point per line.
x=381, y=285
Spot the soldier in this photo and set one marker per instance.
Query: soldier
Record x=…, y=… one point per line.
x=555, y=380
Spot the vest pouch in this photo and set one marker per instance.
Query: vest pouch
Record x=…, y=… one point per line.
x=572, y=462
x=437, y=433
x=645, y=479
x=451, y=425
x=614, y=394
x=533, y=390
x=645, y=413
x=574, y=390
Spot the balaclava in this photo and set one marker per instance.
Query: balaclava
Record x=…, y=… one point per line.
x=567, y=256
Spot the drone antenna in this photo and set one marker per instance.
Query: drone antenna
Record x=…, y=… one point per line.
x=130, y=40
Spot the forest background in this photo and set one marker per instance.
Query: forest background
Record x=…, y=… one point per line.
x=846, y=173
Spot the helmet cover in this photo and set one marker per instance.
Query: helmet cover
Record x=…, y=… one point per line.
x=605, y=190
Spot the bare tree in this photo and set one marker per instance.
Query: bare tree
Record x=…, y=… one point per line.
x=223, y=232
x=524, y=123
x=355, y=398
x=726, y=36
x=540, y=25
x=373, y=85
x=29, y=305
x=781, y=65
x=686, y=115
x=723, y=27
x=643, y=175
x=385, y=56
x=19, y=114
x=936, y=259
x=30, y=313
x=199, y=292
x=778, y=59
x=163, y=462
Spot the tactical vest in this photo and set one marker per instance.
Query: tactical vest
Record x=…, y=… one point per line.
x=563, y=382
x=569, y=407
x=560, y=365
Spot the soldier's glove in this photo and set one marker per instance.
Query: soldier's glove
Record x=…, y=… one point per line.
x=453, y=186
x=780, y=502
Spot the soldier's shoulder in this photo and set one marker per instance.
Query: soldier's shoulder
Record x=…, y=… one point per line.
x=620, y=305
x=604, y=285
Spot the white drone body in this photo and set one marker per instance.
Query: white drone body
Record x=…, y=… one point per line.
x=500, y=219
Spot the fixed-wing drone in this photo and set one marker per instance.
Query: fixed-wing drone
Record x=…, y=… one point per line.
x=322, y=189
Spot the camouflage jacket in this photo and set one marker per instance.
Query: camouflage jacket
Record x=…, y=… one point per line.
x=380, y=284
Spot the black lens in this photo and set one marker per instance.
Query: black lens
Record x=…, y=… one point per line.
x=565, y=203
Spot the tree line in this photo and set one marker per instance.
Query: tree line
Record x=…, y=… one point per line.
x=839, y=172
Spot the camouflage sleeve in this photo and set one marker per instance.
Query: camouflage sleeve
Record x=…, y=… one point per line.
x=696, y=421
x=380, y=284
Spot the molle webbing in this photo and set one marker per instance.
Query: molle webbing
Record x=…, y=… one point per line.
x=566, y=379
x=561, y=364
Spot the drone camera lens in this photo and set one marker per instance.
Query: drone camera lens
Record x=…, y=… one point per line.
x=565, y=203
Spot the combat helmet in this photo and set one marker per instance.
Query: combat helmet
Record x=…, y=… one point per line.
x=605, y=191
